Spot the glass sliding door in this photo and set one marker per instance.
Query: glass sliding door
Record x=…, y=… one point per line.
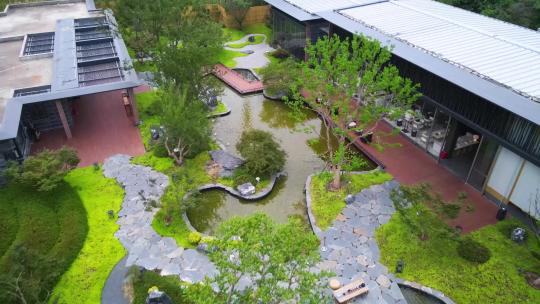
x=482, y=164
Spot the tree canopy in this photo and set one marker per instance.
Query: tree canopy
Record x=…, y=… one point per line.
x=262, y=153
x=45, y=170
x=338, y=70
x=186, y=125
x=522, y=12
x=262, y=262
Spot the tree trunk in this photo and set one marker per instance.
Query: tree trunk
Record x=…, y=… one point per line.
x=336, y=182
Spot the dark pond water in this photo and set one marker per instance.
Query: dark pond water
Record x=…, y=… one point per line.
x=415, y=296
x=287, y=199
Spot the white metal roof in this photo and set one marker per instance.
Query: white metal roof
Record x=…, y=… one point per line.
x=501, y=52
x=315, y=6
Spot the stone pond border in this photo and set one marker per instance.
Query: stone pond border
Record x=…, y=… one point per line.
x=427, y=290
x=312, y=221
x=217, y=186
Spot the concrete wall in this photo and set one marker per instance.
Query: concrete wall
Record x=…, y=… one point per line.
x=255, y=14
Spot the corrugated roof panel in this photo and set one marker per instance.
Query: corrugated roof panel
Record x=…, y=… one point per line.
x=505, y=53
x=314, y=6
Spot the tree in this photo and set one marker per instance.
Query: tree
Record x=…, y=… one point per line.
x=335, y=71
x=237, y=9
x=44, y=171
x=275, y=259
x=192, y=49
x=186, y=126
x=262, y=153
x=278, y=76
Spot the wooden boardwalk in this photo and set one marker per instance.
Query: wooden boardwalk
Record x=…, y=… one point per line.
x=236, y=81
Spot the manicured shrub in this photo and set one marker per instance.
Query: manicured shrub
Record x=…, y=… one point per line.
x=44, y=171
x=280, y=54
x=194, y=237
x=473, y=251
x=262, y=153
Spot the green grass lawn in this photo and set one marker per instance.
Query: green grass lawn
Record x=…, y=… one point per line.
x=326, y=205
x=40, y=236
x=435, y=263
x=221, y=108
x=257, y=40
x=101, y=250
x=62, y=238
x=226, y=57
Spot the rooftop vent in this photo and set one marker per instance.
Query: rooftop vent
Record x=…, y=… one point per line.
x=41, y=43
x=32, y=91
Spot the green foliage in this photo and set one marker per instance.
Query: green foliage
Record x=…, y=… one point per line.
x=226, y=57
x=473, y=251
x=335, y=70
x=263, y=155
x=274, y=256
x=326, y=205
x=187, y=127
x=41, y=235
x=44, y=171
x=413, y=203
x=101, y=250
x=278, y=76
x=522, y=12
x=168, y=221
x=436, y=263
x=161, y=164
x=194, y=238
x=221, y=108
x=257, y=40
x=144, y=280
x=61, y=238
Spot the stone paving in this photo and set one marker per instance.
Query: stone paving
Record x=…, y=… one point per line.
x=145, y=247
x=349, y=249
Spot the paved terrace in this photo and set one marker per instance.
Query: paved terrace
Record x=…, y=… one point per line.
x=411, y=165
x=101, y=129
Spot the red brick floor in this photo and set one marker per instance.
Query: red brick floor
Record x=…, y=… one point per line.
x=235, y=81
x=101, y=129
x=409, y=164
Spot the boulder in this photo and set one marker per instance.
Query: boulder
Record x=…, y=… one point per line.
x=246, y=189
x=158, y=297
x=226, y=161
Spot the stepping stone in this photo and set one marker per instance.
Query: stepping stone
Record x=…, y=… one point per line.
x=383, y=281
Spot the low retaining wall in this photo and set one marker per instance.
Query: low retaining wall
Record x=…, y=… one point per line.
x=257, y=196
x=42, y=3
x=427, y=290
x=311, y=216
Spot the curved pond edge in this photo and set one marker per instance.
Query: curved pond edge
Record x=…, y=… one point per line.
x=273, y=97
x=424, y=289
x=217, y=186
x=312, y=221
x=221, y=114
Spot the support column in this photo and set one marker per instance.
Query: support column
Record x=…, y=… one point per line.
x=63, y=118
x=133, y=101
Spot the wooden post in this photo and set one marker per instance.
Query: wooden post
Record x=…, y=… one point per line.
x=133, y=100
x=63, y=118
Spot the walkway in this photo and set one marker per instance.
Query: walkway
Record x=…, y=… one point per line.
x=145, y=247
x=349, y=248
x=101, y=129
x=257, y=58
x=411, y=165
x=236, y=81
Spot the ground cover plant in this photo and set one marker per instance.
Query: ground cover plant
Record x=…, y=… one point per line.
x=101, y=250
x=326, y=205
x=483, y=267
x=61, y=241
x=42, y=233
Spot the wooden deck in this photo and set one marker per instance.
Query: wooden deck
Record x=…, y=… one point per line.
x=236, y=81
x=411, y=165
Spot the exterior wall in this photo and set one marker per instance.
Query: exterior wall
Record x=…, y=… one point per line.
x=254, y=15
x=289, y=33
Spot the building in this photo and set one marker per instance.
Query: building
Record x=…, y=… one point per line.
x=52, y=54
x=480, y=77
